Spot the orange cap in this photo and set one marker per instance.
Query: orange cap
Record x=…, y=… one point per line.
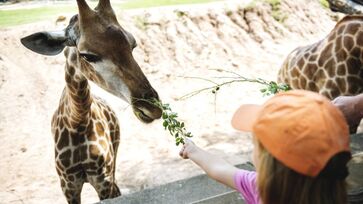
x=301, y=129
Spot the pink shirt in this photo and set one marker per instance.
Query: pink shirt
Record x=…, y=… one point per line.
x=245, y=182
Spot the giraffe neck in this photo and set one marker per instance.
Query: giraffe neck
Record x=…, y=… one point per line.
x=76, y=95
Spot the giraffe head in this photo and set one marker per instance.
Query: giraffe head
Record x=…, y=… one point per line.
x=101, y=50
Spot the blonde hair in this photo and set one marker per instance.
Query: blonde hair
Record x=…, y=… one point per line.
x=278, y=184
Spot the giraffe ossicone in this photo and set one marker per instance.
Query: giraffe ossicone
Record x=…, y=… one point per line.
x=85, y=129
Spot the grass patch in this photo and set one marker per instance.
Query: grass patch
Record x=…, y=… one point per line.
x=154, y=3
x=277, y=14
x=22, y=16
x=274, y=3
x=324, y=3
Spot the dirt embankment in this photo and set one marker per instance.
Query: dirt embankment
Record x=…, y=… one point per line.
x=173, y=43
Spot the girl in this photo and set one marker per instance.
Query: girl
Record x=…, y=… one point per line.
x=301, y=149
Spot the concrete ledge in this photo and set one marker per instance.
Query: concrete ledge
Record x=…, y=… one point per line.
x=356, y=143
x=355, y=178
x=189, y=190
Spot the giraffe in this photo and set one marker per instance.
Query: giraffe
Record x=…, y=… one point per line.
x=85, y=129
x=332, y=66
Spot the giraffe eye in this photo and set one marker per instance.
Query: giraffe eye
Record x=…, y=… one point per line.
x=90, y=57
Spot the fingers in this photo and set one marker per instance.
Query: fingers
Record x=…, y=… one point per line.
x=183, y=153
x=187, y=148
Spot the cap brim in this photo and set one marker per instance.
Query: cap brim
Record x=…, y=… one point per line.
x=245, y=117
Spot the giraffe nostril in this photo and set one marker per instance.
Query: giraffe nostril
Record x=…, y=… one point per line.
x=150, y=94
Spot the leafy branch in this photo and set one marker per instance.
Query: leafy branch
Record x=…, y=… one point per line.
x=170, y=122
x=177, y=129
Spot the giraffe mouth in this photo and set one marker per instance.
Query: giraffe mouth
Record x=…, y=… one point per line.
x=147, y=114
x=142, y=116
x=145, y=111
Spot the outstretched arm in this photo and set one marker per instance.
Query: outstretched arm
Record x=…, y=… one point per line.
x=215, y=167
x=352, y=108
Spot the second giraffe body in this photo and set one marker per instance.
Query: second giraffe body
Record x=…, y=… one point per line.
x=333, y=66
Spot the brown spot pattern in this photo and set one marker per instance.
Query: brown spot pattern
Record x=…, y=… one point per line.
x=325, y=54
x=354, y=65
x=348, y=42
x=353, y=28
x=330, y=68
x=360, y=39
x=342, y=70
x=341, y=55
x=63, y=140
x=341, y=84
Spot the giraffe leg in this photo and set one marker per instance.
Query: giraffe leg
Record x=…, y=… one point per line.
x=72, y=190
x=105, y=186
x=115, y=191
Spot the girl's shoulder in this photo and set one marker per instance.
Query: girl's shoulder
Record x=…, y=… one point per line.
x=246, y=183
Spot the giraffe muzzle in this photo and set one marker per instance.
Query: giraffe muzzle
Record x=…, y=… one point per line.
x=147, y=115
x=143, y=106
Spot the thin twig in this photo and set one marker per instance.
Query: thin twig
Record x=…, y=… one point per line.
x=271, y=86
x=200, y=78
x=227, y=71
x=218, y=85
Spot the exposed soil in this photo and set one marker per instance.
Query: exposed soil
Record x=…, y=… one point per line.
x=173, y=42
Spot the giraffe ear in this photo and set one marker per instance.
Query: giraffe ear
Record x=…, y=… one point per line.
x=45, y=43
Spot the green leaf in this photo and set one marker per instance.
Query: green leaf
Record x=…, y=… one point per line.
x=179, y=140
x=166, y=107
x=273, y=90
x=165, y=116
x=273, y=83
x=170, y=123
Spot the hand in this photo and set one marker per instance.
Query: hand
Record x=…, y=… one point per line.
x=350, y=106
x=188, y=148
x=215, y=167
